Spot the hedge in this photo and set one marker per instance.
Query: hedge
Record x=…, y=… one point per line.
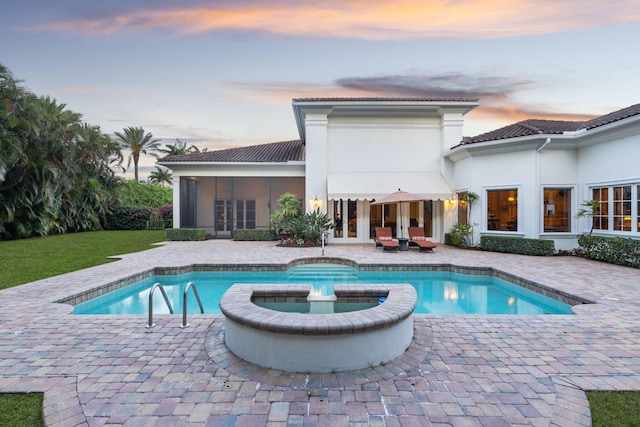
x=253, y=235
x=185, y=234
x=614, y=250
x=517, y=245
x=128, y=218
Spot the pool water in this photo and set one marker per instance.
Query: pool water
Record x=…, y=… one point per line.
x=438, y=292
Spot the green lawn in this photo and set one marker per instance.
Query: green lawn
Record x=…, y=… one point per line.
x=614, y=408
x=27, y=260
x=21, y=410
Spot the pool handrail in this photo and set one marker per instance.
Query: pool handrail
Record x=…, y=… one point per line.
x=166, y=299
x=190, y=285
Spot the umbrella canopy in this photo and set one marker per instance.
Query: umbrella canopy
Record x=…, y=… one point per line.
x=398, y=197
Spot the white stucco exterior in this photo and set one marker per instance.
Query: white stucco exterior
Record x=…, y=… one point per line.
x=357, y=150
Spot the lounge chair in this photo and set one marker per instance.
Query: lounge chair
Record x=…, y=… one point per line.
x=385, y=239
x=416, y=238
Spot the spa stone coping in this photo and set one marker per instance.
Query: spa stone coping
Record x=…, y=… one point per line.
x=401, y=299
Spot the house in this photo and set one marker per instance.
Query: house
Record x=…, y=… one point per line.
x=531, y=176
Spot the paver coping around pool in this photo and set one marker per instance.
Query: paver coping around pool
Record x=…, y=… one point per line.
x=236, y=304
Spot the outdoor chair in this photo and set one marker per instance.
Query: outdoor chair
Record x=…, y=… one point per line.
x=416, y=238
x=385, y=239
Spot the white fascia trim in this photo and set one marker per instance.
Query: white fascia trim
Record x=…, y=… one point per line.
x=291, y=163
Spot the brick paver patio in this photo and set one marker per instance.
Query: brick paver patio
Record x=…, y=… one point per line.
x=462, y=370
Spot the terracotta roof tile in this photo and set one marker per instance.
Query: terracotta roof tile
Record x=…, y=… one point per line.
x=526, y=128
x=549, y=127
x=285, y=151
x=613, y=117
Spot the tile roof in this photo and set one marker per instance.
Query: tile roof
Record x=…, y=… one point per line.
x=284, y=151
x=624, y=113
x=536, y=126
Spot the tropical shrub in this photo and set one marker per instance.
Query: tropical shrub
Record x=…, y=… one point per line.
x=185, y=234
x=166, y=213
x=459, y=235
x=290, y=207
x=128, y=218
x=614, y=250
x=133, y=193
x=55, y=170
x=517, y=245
x=309, y=228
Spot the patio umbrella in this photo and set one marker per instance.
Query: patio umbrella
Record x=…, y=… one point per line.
x=399, y=197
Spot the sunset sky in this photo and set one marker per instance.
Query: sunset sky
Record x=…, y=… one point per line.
x=222, y=73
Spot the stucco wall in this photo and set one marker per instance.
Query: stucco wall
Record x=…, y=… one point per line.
x=383, y=144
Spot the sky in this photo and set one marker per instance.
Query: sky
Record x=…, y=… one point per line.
x=222, y=74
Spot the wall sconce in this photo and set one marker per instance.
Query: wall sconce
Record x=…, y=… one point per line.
x=451, y=202
x=315, y=203
x=511, y=200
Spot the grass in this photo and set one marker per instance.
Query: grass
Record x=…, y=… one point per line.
x=21, y=410
x=28, y=260
x=614, y=408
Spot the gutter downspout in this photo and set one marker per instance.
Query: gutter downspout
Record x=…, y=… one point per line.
x=539, y=190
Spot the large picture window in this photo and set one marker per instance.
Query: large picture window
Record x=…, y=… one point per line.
x=557, y=210
x=502, y=209
x=618, y=208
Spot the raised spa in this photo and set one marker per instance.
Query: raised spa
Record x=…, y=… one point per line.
x=319, y=342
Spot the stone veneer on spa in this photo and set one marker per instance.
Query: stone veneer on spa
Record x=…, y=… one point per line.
x=307, y=342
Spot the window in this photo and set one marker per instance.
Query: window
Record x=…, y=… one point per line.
x=622, y=208
x=428, y=218
x=502, y=209
x=338, y=218
x=618, y=208
x=188, y=202
x=557, y=210
x=246, y=214
x=601, y=214
x=463, y=208
x=223, y=215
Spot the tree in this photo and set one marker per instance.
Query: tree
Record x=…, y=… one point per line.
x=589, y=210
x=55, y=173
x=160, y=176
x=179, y=148
x=137, y=142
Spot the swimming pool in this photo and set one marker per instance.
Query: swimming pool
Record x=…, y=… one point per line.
x=441, y=292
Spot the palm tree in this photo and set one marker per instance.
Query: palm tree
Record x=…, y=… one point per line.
x=179, y=148
x=135, y=140
x=160, y=176
x=589, y=210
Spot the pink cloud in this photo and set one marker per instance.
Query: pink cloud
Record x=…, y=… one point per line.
x=375, y=20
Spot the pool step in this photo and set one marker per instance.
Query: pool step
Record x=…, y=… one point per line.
x=322, y=272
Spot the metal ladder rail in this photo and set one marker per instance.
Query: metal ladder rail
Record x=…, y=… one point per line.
x=190, y=285
x=166, y=299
